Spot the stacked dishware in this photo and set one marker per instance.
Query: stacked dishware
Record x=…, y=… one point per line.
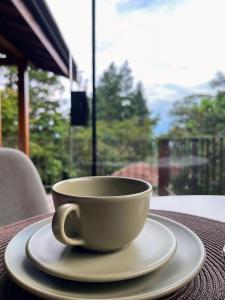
x=102, y=243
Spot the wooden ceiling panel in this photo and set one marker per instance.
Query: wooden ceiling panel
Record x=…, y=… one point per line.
x=8, y=9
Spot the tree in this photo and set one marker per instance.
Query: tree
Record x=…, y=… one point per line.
x=117, y=97
x=8, y=102
x=201, y=115
x=124, y=126
x=119, y=143
x=49, y=127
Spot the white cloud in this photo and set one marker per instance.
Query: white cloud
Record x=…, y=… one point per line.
x=74, y=20
x=182, y=46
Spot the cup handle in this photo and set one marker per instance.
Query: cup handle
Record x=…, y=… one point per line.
x=58, y=223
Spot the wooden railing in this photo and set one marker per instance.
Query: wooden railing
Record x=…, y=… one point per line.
x=191, y=166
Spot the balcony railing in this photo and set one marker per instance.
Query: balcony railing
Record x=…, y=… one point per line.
x=173, y=166
x=192, y=166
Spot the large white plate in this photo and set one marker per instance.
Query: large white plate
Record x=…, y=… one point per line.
x=154, y=246
x=184, y=266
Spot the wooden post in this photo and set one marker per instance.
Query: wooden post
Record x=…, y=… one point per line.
x=164, y=170
x=194, y=168
x=23, y=104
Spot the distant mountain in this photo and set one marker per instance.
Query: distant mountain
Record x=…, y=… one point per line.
x=162, y=98
x=161, y=109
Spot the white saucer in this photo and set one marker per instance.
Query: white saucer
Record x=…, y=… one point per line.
x=183, y=266
x=153, y=248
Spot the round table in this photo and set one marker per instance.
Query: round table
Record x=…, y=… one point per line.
x=212, y=207
x=208, y=284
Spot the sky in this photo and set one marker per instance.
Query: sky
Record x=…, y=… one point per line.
x=175, y=47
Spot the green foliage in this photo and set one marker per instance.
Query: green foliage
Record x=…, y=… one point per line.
x=124, y=122
x=8, y=99
x=8, y=103
x=117, y=97
x=119, y=143
x=199, y=116
x=124, y=126
x=49, y=128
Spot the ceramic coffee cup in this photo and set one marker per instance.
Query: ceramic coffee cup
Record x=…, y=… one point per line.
x=102, y=213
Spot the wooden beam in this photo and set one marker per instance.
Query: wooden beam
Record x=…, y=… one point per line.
x=14, y=26
x=164, y=170
x=23, y=103
x=37, y=47
x=10, y=47
x=9, y=10
x=5, y=17
x=10, y=61
x=25, y=13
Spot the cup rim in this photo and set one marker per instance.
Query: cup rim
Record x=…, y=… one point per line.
x=148, y=189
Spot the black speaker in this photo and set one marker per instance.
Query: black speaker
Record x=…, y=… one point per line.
x=79, y=113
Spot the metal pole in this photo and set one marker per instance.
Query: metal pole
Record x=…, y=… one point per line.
x=94, y=141
x=0, y=117
x=70, y=127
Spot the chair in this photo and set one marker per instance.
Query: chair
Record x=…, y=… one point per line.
x=22, y=194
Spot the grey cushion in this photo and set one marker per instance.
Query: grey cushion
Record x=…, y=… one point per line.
x=22, y=194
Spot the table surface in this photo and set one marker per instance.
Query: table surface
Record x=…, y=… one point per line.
x=212, y=207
